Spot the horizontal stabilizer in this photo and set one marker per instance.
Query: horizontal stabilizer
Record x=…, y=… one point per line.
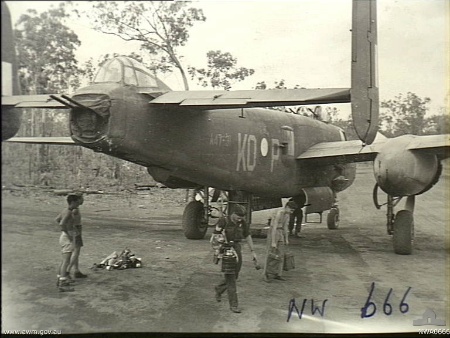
x=44, y=140
x=253, y=98
x=340, y=151
x=354, y=151
x=436, y=144
x=430, y=141
x=32, y=101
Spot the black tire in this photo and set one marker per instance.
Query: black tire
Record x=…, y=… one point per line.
x=403, y=232
x=194, y=223
x=333, y=219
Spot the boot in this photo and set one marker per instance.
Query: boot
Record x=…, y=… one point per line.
x=64, y=286
x=235, y=309
x=78, y=274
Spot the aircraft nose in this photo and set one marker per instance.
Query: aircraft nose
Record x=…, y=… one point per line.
x=90, y=116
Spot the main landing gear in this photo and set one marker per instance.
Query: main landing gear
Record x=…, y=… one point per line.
x=400, y=225
x=195, y=224
x=320, y=199
x=200, y=209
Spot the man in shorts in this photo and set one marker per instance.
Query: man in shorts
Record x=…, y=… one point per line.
x=78, y=244
x=68, y=220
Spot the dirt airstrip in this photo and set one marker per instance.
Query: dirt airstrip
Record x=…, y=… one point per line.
x=173, y=291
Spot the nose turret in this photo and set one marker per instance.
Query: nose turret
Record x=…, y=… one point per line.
x=129, y=72
x=99, y=112
x=89, y=118
x=109, y=94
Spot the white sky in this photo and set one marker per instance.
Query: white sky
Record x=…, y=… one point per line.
x=304, y=42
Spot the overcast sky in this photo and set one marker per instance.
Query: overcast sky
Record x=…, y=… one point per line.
x=304, y=42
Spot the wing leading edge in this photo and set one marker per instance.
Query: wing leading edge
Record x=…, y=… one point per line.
x=32, y=101
x=44, y=140
x=253, y=98
x=211, y=98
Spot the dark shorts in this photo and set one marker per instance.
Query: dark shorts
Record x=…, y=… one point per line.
x=78, y=241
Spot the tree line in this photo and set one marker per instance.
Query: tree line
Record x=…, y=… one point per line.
x=46, y=47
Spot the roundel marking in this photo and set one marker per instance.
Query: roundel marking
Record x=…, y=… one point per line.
x=264, y=147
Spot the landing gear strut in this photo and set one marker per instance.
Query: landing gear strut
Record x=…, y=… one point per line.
x=400, y=225
x=333, y=215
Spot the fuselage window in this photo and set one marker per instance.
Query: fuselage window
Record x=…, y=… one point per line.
x=287, y=140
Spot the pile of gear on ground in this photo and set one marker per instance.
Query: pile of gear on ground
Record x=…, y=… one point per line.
x=124, y=260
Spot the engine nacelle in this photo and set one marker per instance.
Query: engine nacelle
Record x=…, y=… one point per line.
x=318, y=199
x=402, y=172
x=11, y=118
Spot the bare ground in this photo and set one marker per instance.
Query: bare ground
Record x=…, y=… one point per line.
x=173, y=291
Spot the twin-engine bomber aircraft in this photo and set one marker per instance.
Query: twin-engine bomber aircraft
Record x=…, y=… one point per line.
x=232, y=141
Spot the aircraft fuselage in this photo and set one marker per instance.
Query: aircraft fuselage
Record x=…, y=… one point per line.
x=250, y=149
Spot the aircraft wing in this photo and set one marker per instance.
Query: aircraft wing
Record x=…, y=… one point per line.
x=43, y=140
x=354, y=151
x=253, y=98
x=32, y=101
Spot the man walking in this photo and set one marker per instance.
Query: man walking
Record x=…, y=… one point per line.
x=235, y=229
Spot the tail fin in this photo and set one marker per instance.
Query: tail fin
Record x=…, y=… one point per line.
x=364, y=82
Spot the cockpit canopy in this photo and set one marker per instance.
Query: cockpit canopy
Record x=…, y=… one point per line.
x=128, y=71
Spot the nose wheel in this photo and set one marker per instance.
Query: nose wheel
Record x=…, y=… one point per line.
x=403, y=232
x=333, y=218
x=400, y=225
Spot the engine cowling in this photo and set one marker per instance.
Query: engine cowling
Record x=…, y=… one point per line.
x=402, y=172
x=11, y=118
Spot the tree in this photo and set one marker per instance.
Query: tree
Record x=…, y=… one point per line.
x=280, y=85
x=47, y=64
x=46, y=52
x=438, y=123
x=88, y=70
x=161, y=27
x=261, y=85
x=277, y=85
x=221, y=72
x=404, y=115
x=332, y=114
x=43, y=42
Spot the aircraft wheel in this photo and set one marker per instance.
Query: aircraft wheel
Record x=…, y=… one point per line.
x=403, y=232
x=333, y=219
x=194, y=223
